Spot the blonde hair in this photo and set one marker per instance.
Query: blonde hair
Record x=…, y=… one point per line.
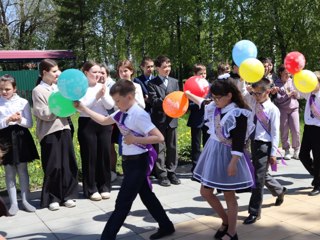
x=317, y=73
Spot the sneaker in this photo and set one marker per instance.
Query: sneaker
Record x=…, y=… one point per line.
x=113, y=176
x=69, y=203
x=296, y=154
x=287, y=155
x=95, y=197
x=105, y=195
x=54, y=206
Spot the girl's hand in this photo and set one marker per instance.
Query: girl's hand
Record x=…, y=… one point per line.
x=78, y=105
x=14, y=118
x=129, y=139
x=232, y=167
x=101, y=92
x=272, y=160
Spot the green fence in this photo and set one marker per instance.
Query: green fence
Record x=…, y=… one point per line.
x=26, y=81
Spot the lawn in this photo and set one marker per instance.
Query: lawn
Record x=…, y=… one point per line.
x=35, y=168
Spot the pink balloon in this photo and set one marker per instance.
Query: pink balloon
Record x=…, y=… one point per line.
x=197, y=86
x=294, y=62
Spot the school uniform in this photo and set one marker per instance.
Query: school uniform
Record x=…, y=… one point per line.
x=309, y=139
x=135, y=164
x=21, y=147
x=264, y=144
x=95, y=142
x=167, y=162
x=57, y=154
x=143, y=80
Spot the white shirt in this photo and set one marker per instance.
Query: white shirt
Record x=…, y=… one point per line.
x=139, y=95
x=101, y=105
x=308, y=120
x=10, y=106
x=139, y=121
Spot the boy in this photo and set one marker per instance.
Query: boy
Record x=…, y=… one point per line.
x=138, y=131
x=159, y=88
x=265, y=140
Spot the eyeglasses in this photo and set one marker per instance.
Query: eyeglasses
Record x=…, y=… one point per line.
x=257, y=94
x=216, y=99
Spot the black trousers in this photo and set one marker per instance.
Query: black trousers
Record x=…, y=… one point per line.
x=95, y=143
x=60, y=168
x=311, y=143
x=260, y=155
x=167, y=161
x=134, y=183
x=198, y=135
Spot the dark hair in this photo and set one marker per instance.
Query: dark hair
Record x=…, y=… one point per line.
x=280, y=69
x=264, y=83
x=123, y=88
x=125, y=63
x=161, y=59
x=102, y=65
x=198, y=67
x=8, y=78
x=88, y=65
x=222, y=87
x=45, y=65
x=145, y=60
x=223, y=68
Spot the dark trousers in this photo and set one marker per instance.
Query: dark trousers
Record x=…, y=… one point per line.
x=134, y=183
x=260, y=155
x=310, y=143
x=95, y=144
x=60, y=168
x=167, y=161
x=197, y=134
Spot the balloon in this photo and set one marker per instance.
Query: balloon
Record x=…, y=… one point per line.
x=175, y=104
x=197, y=86
x=305, y=81
x=251, y=70
x=242, y=50
x=60, y=106
x=72, y=84
x=294, y=62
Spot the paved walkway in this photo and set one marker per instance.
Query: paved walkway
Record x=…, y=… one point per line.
x=298, y=217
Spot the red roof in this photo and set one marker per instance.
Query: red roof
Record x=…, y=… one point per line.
x=14, y=55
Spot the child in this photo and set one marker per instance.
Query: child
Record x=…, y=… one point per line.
x=159, y=87
x=309, y=138
x=264, y=147
x=139, y=133
x=222, y=163
x=95, y=139
x=60, y=184
x=196, y=121
x=15, y=119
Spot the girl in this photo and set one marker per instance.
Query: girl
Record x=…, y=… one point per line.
x=60, y=184
x=222, y=163
x=287, y=101
x=125, y=71
x=95, y=139
x=15, y=119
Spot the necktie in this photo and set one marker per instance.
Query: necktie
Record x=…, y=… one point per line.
x=165, y=81
x=124, y=116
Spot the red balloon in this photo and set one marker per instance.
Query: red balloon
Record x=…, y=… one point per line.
x=175, y=104
x=294, y=62
x=197, y=86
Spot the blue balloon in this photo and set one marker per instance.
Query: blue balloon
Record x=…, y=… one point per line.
x=242, y=50
x=72, y=84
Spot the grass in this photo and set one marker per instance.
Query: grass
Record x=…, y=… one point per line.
x=35, y=168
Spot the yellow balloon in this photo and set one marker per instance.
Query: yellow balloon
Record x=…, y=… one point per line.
x=305, y=81
x=251, y=70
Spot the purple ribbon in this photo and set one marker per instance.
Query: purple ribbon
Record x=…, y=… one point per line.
x=151, y=151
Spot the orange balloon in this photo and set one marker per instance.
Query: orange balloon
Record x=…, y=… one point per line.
x=175, y=104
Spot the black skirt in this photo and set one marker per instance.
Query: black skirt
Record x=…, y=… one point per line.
x=18, y=144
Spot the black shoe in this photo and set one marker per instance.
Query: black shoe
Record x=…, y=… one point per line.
x=220, y=233
x=174, y=179
x=162, y=232
x=280, y=198
x=251, y=219
x=164, y=181
x=234, y=237
x=315, y=191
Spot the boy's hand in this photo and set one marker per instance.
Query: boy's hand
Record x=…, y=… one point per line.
x=272, y=160
x=129, y=139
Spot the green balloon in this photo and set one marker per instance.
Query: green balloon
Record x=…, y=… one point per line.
x=61, y=106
